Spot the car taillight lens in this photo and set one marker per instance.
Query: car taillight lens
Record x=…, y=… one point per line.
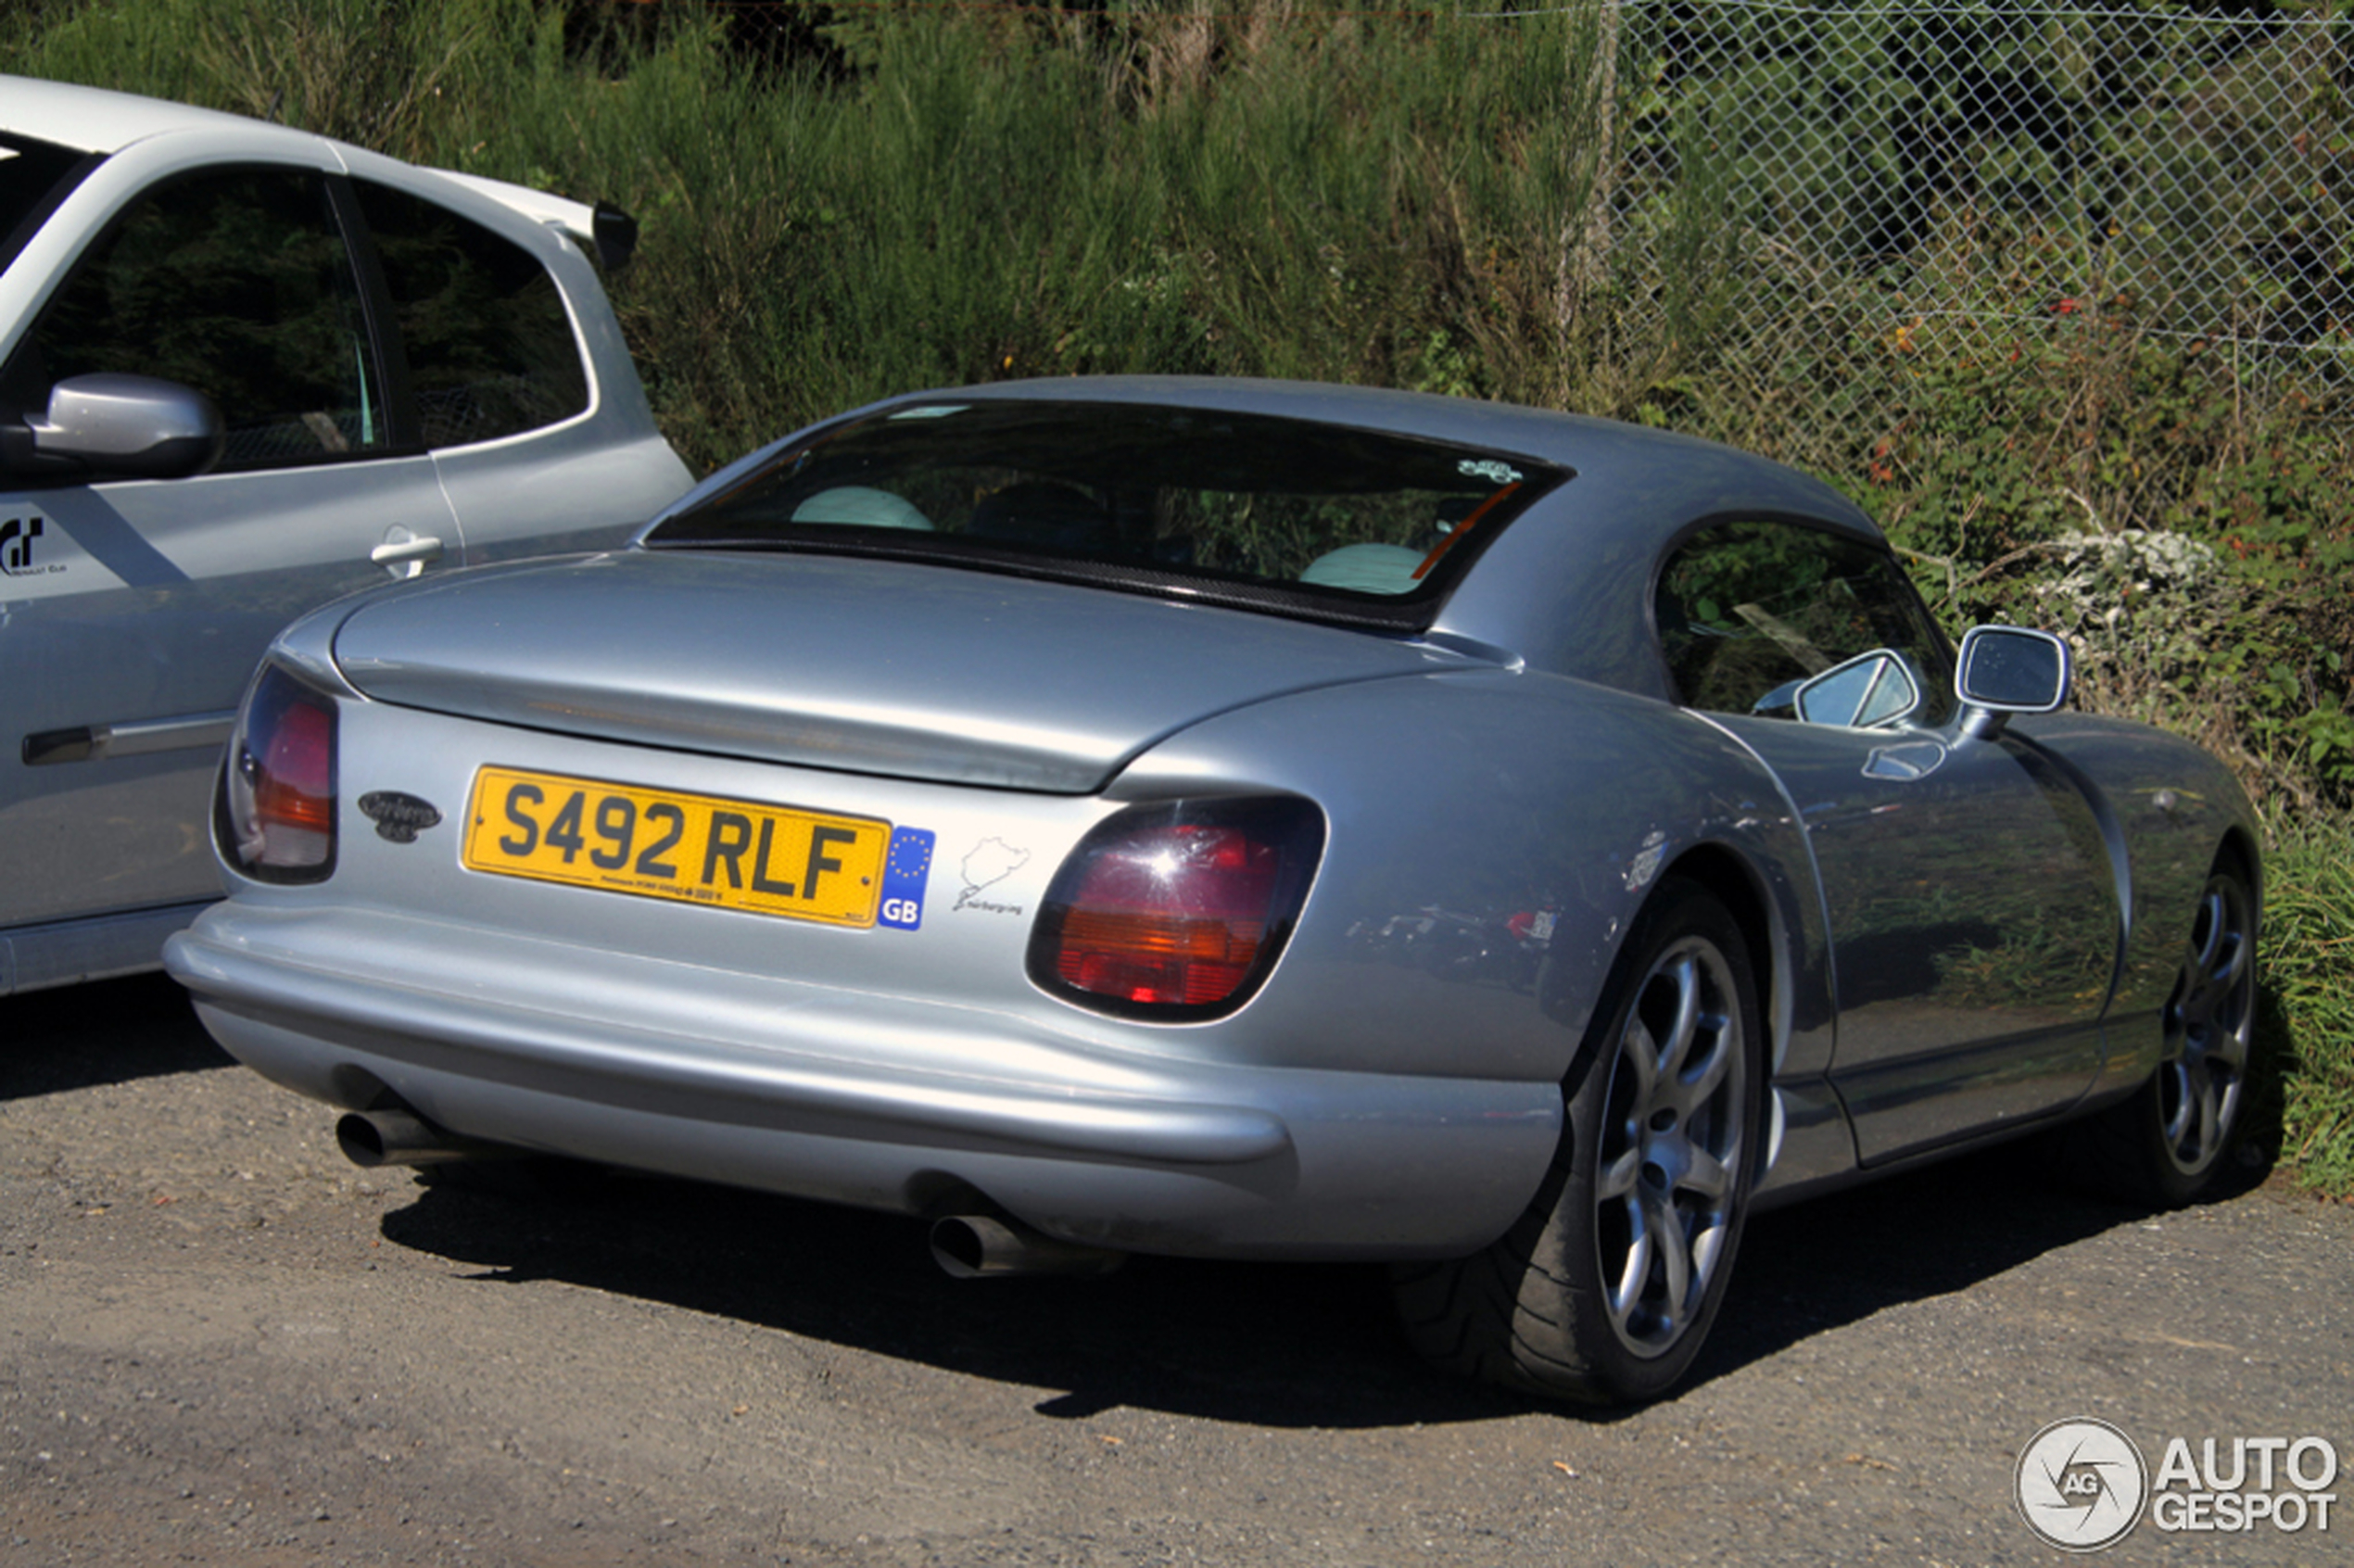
x=277, y=816
x=1177, y=911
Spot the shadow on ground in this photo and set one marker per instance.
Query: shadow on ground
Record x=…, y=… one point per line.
x=109, y=1031
x=1276, y=1345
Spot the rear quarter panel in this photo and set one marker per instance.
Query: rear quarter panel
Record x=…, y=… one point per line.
x=1484, y=793
x=585, y=483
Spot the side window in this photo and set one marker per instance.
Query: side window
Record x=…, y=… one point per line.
x=490, y=345
x=239, y=284
x=1746, y=611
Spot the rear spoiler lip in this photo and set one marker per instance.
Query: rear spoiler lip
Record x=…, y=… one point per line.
x=604, y=229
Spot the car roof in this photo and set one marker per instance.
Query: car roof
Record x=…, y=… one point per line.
x=1568, y=584
x=1671, y=473
x=97, y=119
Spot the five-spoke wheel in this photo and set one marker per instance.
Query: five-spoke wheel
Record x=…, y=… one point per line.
x=1605, y=1287
x=1671, y=1146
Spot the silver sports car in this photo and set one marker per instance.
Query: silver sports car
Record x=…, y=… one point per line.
x=1237, y=819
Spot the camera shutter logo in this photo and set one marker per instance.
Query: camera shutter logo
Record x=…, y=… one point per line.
x=2081, y=1484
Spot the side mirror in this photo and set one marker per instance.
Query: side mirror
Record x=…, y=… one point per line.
x=2008, y=670
x=1871, y=689
x=116, y=427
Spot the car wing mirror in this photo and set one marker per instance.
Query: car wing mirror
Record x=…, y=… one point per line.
x=111, y=426
x=2008, y=670
x=1861, y=693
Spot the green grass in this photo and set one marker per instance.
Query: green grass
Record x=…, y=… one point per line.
x=986, y=197
x=2307, y=1012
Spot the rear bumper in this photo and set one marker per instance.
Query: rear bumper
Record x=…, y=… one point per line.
x=874, y=1100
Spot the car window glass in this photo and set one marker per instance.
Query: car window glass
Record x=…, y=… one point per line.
x=490, y=345
x=1748, y=611
x=238, y=284
x=1278, y=513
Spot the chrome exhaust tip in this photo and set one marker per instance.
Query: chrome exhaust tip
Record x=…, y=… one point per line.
x=377, y=1138
x=978, y=1247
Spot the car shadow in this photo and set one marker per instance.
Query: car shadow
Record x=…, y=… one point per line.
x=1835, y=1261
x=1278, y=1345
x=103, y=1031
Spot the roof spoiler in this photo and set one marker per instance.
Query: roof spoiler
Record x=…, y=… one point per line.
x=604, y=229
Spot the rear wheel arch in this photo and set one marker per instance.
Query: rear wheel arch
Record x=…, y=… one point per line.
x=1606, y=1286
x=1735, y=884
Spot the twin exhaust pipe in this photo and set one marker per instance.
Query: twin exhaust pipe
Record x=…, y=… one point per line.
x=966, y=1246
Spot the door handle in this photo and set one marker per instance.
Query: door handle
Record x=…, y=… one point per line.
x=136, y=739
x=405, y=557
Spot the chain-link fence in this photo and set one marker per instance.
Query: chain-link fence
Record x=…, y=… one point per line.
x=1839, y=194
x=1927, y=179
x=1968, y=158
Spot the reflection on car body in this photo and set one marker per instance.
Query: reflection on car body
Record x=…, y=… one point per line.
x=244, y=371
x=1321, y=823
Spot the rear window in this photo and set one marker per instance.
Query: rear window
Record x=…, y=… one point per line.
x=1262, y=513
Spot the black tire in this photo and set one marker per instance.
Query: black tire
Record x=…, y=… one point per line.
x=2165, y=1145
x=1605, y=1289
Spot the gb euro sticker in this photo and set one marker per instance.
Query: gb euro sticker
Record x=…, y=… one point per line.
x=906, y=870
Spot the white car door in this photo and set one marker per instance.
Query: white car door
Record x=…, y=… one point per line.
x=133, y=612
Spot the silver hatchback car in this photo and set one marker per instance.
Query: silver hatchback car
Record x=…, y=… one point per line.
x=244, y=371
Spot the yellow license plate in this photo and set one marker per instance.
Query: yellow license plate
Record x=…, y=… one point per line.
x=659, y=843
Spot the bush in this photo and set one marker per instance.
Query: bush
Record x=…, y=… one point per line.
x=2186, y=531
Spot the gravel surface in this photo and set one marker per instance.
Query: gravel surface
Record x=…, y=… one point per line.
x=220, y=1343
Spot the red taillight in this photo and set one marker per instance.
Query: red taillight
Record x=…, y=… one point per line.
x=278, y=796
x=295, y=785
x=1177, y=911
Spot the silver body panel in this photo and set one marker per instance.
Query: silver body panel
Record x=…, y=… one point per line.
x=143, y=611
x=1365, y=1103
x=964, y=690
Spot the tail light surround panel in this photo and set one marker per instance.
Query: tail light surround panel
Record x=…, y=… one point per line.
x=1176, y=911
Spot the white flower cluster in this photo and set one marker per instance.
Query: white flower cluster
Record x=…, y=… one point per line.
x=2106, y=579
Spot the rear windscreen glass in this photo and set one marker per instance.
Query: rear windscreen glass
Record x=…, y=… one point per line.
x=1263, y=511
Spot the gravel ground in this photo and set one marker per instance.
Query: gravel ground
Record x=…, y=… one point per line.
x=220, y=1343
